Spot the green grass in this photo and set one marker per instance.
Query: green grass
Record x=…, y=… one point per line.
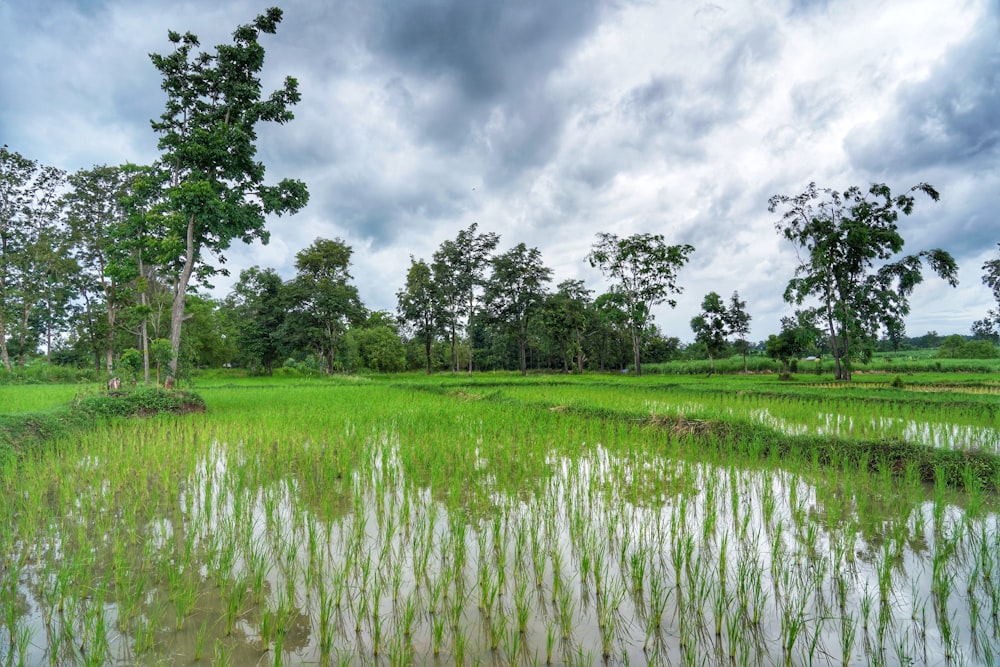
x=16, y=398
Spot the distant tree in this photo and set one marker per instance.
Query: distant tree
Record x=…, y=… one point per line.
x=379, y=346
x=843, y=236
x=418, y=304
x=658, y=348
x=929, y=340
x=257, y=307
x=459, y=269
x=322, y=301
x=29, y=217
x=564, y=316
x=133, y=253
x=986, y=329
x=216, y=191
x=991, y=278
x=956, y=347
x=95, y=208
x=711, y=327
x=643, y=272
x=791, y=343
x=738, y=324
x=514, y=293
x=611, y=333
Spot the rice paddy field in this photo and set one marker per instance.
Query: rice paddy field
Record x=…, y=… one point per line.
x=499, y=520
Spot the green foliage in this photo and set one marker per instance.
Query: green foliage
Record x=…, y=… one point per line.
x=514, y=293
x=22, y=433
x=643, y=270
x=844, y=235
x=140, y=402
x=956, y=347
x=711, y=326
x=379, y=349
x=39, y=372
x=216, y=191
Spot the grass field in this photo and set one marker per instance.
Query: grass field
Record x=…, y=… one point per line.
x=502, y=520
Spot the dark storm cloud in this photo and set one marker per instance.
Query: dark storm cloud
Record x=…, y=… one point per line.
x=945, y=129
x=489, y=49
x=950, y=119
x=483, y=68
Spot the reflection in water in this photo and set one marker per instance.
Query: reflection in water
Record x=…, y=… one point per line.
x=931, y=434
x=624, y=556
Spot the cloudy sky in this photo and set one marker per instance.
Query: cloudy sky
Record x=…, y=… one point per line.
x=548, y=121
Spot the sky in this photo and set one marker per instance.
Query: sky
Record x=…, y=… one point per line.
x=549, y=121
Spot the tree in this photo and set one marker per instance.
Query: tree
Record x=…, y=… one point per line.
x=418, y=304
x=643, y=270
x=793, y=341
x=986, y=329
x=564, y=316
x=991, y=278
x=95, y=209
x=711, y=326
x=257, y=307
x=843, y=236
x=322, y=303
x=380, y=348
x=459, y=268
x=515, y=291
x=134, y=252
x=216, y=191
x=28, y=218
x=738, y=323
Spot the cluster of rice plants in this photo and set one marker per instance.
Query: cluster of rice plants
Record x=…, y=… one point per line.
x=359, y=522
x=954, y=419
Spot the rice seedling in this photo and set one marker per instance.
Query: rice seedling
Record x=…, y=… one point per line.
x=399, y=520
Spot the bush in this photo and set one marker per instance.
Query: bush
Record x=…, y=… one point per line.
x=24, y=432
x=140, y=403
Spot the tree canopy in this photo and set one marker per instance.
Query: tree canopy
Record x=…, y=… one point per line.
x=643, y=272
x=847, y=241
x=216, y=191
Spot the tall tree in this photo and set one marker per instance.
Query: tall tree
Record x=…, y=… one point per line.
x=643, y=270
x=29, y=214
x=94, y=209
x=514, y=293
x=459, y=270
x=418, y=304
x=844, y=235
x=738, y=323
x=135, y=251
x=711, y=326
x=991, y=278
x=216, y=191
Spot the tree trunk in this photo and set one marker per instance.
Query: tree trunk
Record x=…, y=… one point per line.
x=834, y=347
x=22, y=335
x=524, y=359
x=177, y=309
x=427, y=351
x=635, y=351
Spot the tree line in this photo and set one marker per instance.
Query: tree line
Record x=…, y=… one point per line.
x=106, y=263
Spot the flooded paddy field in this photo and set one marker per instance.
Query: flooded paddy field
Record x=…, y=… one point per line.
x=501, y=522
